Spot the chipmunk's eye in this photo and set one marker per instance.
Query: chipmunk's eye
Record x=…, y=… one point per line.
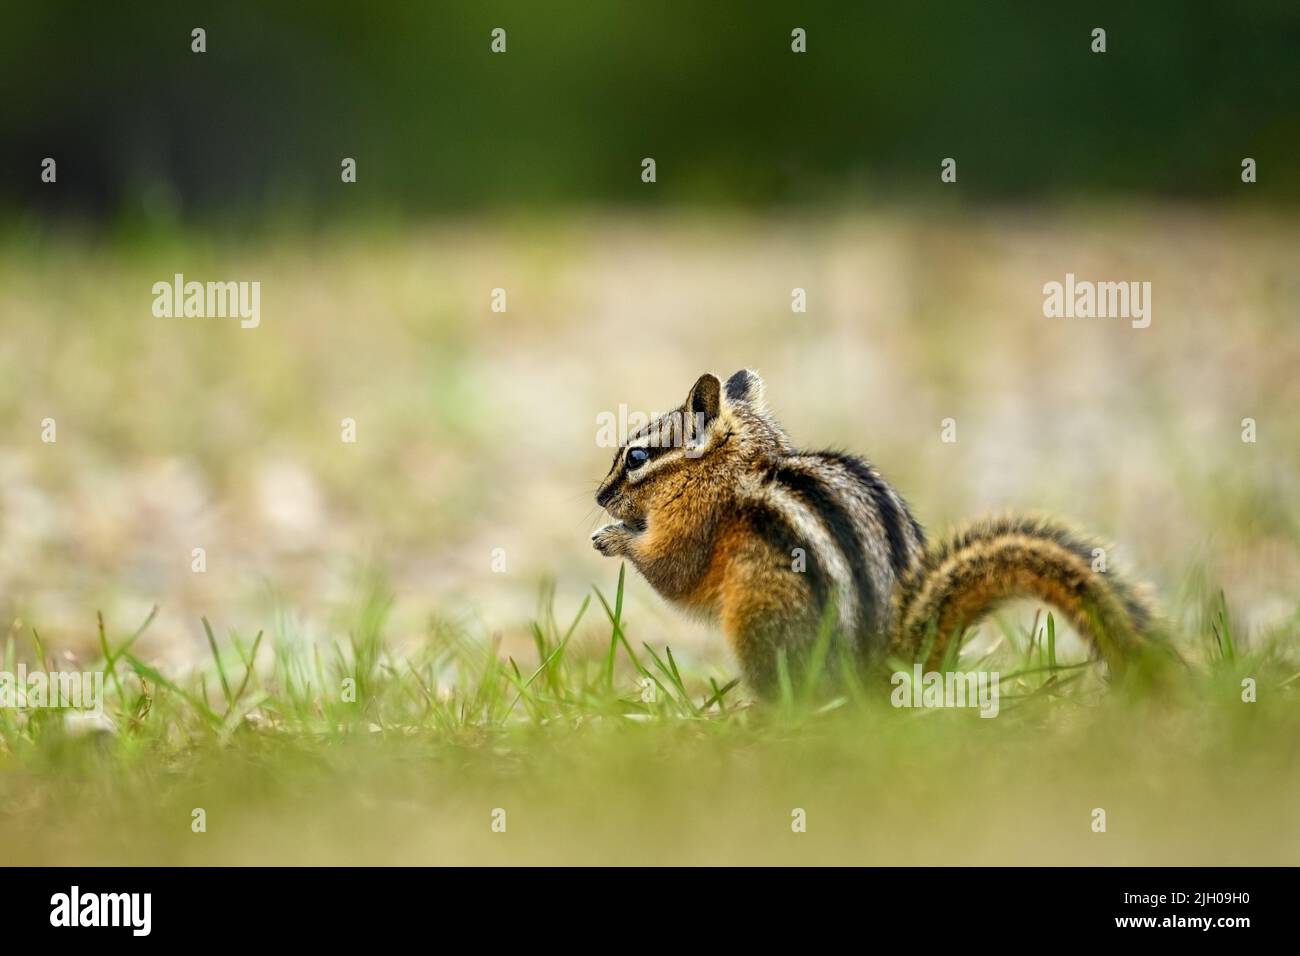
x=636, y=457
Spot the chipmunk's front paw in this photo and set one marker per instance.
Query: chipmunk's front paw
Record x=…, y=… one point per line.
x=613, y=539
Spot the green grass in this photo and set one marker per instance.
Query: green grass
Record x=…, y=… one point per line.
x=602, y=748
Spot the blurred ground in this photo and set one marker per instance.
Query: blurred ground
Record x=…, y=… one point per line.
x=1209, y=784
x=477, y=430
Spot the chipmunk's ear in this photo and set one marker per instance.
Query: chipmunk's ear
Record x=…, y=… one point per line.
x=745, y=387
x=703, y=403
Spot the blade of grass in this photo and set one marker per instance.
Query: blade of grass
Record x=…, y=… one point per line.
x=216, y=656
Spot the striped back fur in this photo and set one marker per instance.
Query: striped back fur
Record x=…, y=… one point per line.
x=857, y=532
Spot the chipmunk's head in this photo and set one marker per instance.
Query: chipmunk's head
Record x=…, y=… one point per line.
x=695, y=453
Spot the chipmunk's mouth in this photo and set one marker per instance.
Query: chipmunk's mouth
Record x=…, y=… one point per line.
x=620, y=508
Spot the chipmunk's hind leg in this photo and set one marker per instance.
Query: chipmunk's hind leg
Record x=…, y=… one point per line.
x=772, y=607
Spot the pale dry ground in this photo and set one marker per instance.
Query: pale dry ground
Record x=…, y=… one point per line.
x=478, y=430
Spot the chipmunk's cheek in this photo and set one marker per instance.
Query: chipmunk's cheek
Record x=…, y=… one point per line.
x=622, y=508
x=633, y=516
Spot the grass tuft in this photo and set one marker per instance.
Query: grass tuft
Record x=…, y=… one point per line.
x=347, y=750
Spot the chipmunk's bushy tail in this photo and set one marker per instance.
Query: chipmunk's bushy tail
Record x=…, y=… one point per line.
x=957, y=582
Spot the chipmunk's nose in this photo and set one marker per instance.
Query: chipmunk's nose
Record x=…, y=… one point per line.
x=604, y=497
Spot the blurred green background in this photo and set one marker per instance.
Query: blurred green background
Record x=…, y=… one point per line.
x=476, y=430
x=522, y=171
x=257, y=126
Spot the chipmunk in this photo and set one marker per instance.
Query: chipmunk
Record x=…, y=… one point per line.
x=725, y=518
